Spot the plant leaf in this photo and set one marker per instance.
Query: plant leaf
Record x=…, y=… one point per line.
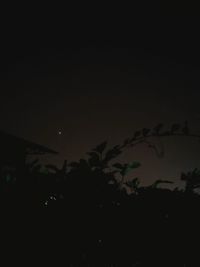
x=118, y=166
x=100, y=148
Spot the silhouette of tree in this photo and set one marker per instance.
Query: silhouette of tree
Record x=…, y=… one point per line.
x=124, y=169
x=83, y=212
x=158, y=182
x=192, y=180
x=143, y=136
x=134, y=185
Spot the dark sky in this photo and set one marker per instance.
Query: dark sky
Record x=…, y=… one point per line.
x=101, y=77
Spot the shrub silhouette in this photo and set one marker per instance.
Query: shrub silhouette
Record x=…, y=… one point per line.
x=83, y=214
x=192, y=180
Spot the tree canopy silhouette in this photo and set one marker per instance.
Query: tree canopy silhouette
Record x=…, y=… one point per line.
x=82, y=212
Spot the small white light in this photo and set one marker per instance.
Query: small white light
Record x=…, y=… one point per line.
x=52, y=198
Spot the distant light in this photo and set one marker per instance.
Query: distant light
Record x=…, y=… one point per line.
x=59, y=132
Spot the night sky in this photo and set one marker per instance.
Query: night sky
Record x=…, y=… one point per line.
x=102, y=77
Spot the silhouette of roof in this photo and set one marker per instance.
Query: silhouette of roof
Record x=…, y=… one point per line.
x=31, y=148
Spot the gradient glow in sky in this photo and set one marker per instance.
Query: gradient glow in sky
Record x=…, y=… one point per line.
x=104, y=85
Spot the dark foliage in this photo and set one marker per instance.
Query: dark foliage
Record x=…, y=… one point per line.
x=82, y=213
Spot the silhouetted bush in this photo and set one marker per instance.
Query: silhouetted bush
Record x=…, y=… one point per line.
x=83, y=214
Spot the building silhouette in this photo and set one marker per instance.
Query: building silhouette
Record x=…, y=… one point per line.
x=15, y=150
